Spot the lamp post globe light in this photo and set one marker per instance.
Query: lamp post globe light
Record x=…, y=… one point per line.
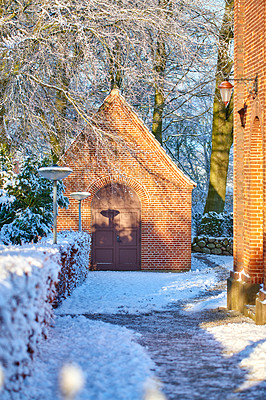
x=55, y=173
x=226, y=88
x=226, y=91
x=80, y=196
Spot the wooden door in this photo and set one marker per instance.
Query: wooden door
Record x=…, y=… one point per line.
x=116, y=212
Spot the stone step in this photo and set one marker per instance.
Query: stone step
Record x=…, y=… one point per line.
x=250, y=311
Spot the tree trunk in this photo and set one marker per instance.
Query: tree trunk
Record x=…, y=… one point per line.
x=116, y=75
x=159, y=68
x=157, y=120
x=3, y=137
x=222, y=127
x=3, y=84
x=159, y=76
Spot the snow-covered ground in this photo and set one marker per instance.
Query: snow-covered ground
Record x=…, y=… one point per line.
x=115, y=366
x=137, y=292
x=250, y=341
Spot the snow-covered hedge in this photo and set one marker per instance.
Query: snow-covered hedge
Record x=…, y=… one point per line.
x=74, y=254
x=28, y=285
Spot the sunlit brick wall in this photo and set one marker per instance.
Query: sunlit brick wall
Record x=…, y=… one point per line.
x=249, y=142
x=164, y=192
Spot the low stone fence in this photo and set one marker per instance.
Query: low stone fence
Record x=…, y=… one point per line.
x=211, y=245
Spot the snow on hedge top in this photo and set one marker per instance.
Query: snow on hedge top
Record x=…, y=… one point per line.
x=21, y=260
x=28, y=275
x=66, y=238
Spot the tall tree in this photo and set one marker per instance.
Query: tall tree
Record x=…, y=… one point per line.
x=222, y=126
x=59, y=58
x=159, y=98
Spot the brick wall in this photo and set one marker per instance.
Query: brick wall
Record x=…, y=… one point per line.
x=249, y=147
x=140, y=163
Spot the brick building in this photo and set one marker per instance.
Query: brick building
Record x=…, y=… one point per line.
x=139, y=211
x=247, y=283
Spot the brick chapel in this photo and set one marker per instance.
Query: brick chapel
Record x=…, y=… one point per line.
x=139, y=210
x=247, y=283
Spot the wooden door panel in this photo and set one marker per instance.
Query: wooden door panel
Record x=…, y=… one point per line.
x=127, y=256
x=103, y=218
x=116, y=229
x=128, y=219
x=104, y=238
x=104, y=256
x=128, y=237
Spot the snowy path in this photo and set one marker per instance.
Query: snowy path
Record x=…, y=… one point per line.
x=125, y=328
x=189, y=361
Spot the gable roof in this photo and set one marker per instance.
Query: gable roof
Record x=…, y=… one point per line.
x=116, y=100
x=111, y=100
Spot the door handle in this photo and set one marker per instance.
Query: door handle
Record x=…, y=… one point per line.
x=118, y=239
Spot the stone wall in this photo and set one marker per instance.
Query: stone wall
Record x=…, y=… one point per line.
x=218, y=246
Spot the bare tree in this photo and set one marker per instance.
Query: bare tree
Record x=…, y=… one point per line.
x=222, y=126
x=59, y=59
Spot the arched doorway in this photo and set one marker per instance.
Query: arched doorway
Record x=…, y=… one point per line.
x=116, y=215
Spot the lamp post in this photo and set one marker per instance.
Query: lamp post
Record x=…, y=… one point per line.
x=80, y=196
x=54, y=173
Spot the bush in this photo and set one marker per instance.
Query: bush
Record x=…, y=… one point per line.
x=196, y=220
x=228, y=224
x=33, y=278
x=26, y=227
x=214, y=224
x=74, y=252
x=28, y=282
x=26, y=202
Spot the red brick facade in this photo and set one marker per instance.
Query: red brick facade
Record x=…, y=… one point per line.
x=249, y=148
x=164, y=191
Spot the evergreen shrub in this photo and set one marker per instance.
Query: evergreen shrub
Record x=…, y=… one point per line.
x=26, y=201
x=215, y=224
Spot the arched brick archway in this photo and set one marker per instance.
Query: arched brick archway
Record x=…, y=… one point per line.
x=126, y=181
x=116, y=217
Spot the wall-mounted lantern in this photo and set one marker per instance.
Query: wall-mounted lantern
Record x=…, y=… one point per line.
x=226, y=89
x=55, y=173
x=243, y=113
x=80, y=196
